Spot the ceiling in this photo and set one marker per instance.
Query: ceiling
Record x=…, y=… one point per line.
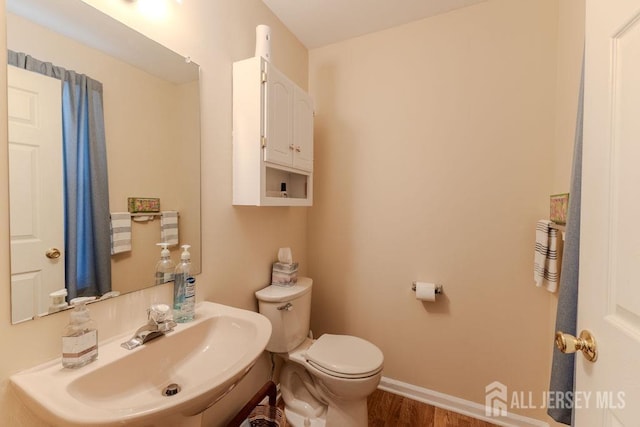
x=320, y=22
x=81, y=21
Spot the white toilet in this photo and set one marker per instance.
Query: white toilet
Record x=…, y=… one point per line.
x=324, y=382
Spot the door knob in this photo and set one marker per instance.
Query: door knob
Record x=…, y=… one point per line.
x=53, y=253
x=585, y=342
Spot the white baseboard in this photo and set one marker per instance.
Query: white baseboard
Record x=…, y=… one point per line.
x=455, y=404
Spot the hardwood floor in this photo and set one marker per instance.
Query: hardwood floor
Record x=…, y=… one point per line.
x=390, y=410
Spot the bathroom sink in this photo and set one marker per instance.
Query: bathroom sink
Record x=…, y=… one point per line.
x=204, y=358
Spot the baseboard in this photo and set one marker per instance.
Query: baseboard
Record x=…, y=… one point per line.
x=455, y=404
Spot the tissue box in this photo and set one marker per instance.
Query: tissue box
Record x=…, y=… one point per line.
x=284, y=274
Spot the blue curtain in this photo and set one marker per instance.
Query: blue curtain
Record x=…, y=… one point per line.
x=86, y=187
x=86, y=198
x=563, y=365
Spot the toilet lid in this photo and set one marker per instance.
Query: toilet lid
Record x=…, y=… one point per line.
x=345, y=355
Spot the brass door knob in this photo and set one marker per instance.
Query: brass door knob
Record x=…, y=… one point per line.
x=53, y=253
x=585, y=342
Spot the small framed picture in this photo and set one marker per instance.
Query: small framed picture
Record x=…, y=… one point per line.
x=559, y=207
x=143, y=204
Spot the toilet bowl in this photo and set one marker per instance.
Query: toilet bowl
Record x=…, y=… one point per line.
x=324, y=382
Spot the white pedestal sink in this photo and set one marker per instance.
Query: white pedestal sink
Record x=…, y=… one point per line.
x=205, y=358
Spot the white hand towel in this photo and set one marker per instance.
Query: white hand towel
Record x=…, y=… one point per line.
x=546, y=269
x=120, y=232
x=169, y=227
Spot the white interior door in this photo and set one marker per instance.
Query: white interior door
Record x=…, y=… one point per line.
x=609, y=300
x=36, y=191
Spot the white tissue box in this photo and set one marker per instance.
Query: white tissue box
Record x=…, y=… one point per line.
x=283, y=274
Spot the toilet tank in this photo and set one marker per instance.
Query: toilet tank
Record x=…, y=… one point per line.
x=289, y=310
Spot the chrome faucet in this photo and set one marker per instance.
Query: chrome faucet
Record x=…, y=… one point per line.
x=159, y=323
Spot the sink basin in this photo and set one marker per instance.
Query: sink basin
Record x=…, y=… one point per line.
x=205, y=358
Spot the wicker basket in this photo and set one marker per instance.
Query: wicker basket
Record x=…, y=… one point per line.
x=254, y=414
x=267, y=416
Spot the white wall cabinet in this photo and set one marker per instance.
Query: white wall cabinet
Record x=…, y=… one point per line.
x=272, y=137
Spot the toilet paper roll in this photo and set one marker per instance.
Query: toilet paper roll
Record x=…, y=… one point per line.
x=263, y=41
x=425, y=291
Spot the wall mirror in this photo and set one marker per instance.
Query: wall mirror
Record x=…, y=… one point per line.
x=150, y=98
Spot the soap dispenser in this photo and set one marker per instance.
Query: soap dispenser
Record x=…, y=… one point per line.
x=184, y=289
x=80, y=336
x=165, y=267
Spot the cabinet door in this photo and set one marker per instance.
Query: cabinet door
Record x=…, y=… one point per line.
x=302, y=130
x=278, y=112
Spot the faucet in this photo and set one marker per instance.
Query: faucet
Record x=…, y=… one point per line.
x=159, y=323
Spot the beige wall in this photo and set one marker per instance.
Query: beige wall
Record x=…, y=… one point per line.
x=569, y=57
x=435, y=157
x=239, y=244
x=438, y=143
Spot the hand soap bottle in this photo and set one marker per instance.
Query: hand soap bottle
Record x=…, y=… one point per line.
x=165, y=267
x=80, y=336
x=184, y=289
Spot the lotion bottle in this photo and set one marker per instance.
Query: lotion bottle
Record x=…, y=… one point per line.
x=80, y=336
x=165, y=267
x=184, y=289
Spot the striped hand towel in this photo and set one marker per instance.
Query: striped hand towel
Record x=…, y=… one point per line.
x=169, y=227
x=120, y=232
x=546, y=269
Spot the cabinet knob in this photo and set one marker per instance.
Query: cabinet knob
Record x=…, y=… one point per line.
x=298, y=148
x=291, y=147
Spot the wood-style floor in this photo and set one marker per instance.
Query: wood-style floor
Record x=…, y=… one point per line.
x=390, y=410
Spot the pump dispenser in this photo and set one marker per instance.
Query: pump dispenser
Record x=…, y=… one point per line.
x=165, y=267
x=184, y=289
x=80, y=336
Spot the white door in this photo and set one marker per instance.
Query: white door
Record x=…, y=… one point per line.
x=278, y=113
x=36, y=192
x=302, y=130
x=609, y=300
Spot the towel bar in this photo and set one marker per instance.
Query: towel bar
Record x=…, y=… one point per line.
x=561, y=228
x=558, y=227
x=145, y=216
x=148, y=214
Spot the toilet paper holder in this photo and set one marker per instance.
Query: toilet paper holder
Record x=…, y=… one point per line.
x=439, y=288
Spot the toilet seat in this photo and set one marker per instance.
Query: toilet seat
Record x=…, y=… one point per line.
x=344, y=356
